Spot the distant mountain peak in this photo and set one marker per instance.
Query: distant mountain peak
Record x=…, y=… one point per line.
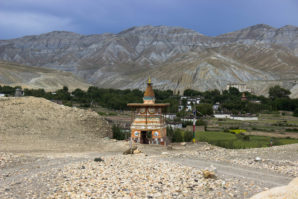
x=289, y=27
x=158, y=29
x=263, y=26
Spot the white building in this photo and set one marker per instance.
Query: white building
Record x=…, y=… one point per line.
x=175, y=125
x=240, y=87
x=170, y=116
x=215, y=107
x=190, y=101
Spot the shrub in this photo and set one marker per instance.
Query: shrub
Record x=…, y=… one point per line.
x=188, y=136
x=117, y=134
x=201, y=123
x=180, y=136
x=292, y=130
x=187, y=123
x=295, y=113
x=177, y=136
x=170, y=133
x=276, y=142
x=242, y=136
x=246, y=138
x=102, y=113
x=67, y=103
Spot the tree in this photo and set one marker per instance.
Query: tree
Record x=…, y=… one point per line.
x=65, y=88
x=234, y=91
x=190, y=92
x=205, y=109
x=278, y=92
x=78, y=93
x=8, y=90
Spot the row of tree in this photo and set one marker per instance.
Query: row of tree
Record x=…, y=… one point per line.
x=230, y=100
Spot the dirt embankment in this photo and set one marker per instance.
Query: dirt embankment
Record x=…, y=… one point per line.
x=36, y=124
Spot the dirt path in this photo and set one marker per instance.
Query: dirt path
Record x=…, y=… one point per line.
x=259, y=176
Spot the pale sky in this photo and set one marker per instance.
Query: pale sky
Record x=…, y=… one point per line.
x=210, y=17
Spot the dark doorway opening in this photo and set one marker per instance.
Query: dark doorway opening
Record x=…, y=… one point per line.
x=144, y=137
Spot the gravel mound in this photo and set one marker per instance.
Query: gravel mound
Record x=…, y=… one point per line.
x=30, y=123
x=139, y=176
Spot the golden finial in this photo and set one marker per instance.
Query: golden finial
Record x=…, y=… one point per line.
x=149, y=80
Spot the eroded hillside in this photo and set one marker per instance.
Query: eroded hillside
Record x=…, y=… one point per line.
x=30, y=123
x=33, y=77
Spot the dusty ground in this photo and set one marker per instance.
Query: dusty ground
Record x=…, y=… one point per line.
x=48, y=151
x=76, y=175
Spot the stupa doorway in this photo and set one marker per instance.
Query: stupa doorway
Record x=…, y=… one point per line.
x=145, y=137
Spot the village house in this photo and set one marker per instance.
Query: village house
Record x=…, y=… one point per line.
x=19, y=93
x=190, y=102
x=174, y=125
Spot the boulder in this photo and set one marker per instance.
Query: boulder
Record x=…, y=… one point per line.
x=130, y=150
x=169, y=147
x=258, y=159
x=97, y=160
x=289, y=192
x=137, y=151
x=209, y=174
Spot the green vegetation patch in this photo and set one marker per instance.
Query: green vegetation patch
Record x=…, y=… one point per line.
x=237, y=131
x=240, y=141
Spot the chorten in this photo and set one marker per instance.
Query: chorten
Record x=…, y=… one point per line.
x=148, y=119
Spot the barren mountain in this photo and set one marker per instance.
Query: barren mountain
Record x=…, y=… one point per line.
x=176, y=58
x=34, y=77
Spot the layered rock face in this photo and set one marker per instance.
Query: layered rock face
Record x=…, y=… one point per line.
x=176, y=58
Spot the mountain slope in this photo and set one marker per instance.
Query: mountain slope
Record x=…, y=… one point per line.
x=33, y=77
x=177, y=58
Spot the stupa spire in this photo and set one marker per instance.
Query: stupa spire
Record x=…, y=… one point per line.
x=149, y=97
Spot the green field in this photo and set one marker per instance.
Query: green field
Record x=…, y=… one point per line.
x=266, y=123
x=232, y=141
